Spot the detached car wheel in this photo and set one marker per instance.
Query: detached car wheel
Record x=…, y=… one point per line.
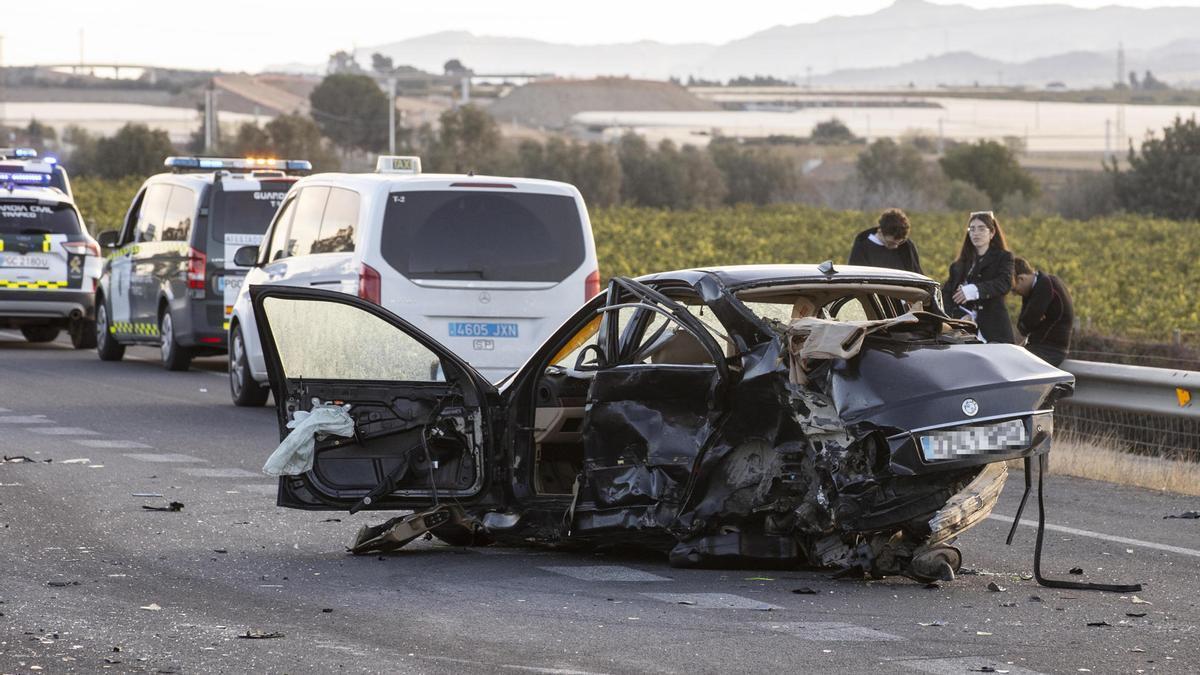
x=40, y=333
x=242, y=387
x=83, y=334
x=174, y=357
x=106, y=346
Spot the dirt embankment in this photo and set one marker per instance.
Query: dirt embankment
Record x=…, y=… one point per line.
x=551, y=103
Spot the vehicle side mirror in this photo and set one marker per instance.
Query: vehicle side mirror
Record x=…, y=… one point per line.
x=246, y=256
x=108, y=239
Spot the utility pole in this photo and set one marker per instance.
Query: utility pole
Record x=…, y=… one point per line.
x=391, y=115
x=211, y=130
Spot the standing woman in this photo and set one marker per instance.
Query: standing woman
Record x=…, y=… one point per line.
x=981, y=278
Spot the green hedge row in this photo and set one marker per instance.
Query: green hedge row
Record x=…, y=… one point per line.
x=1129, y=275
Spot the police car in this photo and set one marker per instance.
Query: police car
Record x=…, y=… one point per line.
x=49, y=264
x=169, y=278
x=488, y=265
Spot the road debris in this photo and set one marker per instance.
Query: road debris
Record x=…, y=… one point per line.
x=61, y=584
x=1098, y=624
x=995, y=588
x=77, y=460
x=1138, y=601
x=152, y=607
x=19, y=459
x=934, y=624
x=1075, y=570
x=260, y=635
x=1135, y=615
x=1186, y=515
x=804, y=591
x=146, y=494
x=173, y=506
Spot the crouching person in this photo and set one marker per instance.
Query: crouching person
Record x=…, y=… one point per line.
x=1047, y=314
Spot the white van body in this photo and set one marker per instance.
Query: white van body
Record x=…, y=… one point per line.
x=487, y=265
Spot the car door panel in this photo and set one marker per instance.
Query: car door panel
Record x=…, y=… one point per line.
x=646, y=424
x=421, y=437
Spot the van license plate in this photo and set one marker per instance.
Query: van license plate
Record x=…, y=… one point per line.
x=475, y=329
x=29, y=261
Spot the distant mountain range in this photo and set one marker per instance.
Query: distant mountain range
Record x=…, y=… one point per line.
x=927, y=37
x=1178, y=62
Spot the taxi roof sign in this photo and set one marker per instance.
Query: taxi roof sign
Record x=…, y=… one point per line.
x=398, y=164
x=238, y=163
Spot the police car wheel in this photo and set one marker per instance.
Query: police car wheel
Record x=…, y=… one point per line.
x=83, y=334
x=40, y=333
x=174, y=357
x=106, y=345
x=242, y=387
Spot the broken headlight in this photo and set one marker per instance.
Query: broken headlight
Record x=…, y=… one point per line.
x=985, y=439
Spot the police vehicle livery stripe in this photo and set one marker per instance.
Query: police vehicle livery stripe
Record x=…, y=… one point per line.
x=135, y=328
x=32, y=284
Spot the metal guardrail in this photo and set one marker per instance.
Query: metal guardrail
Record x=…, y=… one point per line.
x=1135, y=389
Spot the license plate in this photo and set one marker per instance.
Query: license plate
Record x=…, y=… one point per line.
x=233, y=283
x=478, y=329
x=34, y=261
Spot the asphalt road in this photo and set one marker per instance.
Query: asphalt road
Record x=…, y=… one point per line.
x=90, y=580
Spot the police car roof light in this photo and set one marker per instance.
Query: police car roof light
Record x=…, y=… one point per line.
x=236, y=163
x=24, y=178
x=18, y=153
x=398, y=164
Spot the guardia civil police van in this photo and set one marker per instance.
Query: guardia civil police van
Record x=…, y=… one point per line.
x=169, y=279
x=49, y=264
x=487, y=265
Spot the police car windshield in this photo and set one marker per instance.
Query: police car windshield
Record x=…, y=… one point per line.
x=34, y=218
x=512, y=236
x=246, y=211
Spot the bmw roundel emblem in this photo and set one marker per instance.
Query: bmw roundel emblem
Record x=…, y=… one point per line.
x=970, y=407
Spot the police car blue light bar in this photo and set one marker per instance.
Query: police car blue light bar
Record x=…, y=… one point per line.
x=25, y=178
x=241, y=163
x=17, y=153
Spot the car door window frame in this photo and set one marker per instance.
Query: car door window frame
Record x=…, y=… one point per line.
x=278, y=228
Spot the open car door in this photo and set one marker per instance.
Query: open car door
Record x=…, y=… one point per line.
x=421, y=414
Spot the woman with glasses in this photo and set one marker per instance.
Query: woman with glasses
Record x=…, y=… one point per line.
x=981, y=277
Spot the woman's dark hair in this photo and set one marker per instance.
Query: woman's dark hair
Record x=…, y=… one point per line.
x=966, y=254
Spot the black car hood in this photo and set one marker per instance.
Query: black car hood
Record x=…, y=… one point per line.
x=916, y=386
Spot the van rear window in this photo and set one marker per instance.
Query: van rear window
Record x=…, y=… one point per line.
x=34, y=218
x=491, y=236
x=245, y=211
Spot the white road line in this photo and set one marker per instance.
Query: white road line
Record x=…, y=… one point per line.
x=959, y=665
x=829, y=631
x=221, y=473
x=163, y=457
x=25, y=419
x=110, y=444
x=604, y=573
x=493, y=667
x=1098, y=535
x=712, y=600
x=64, y=431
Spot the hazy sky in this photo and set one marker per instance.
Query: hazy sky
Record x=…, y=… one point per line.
x=251, y=34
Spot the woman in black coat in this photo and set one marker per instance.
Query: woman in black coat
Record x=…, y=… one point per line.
x=981, y=278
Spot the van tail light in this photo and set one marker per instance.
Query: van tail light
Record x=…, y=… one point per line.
x=81, y=248
x=368, y=283
x=592, y=286
x=197, y=261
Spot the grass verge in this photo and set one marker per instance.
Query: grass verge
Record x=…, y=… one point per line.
x=1085, y=459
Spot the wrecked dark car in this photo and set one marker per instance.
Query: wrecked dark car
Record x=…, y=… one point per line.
x=791, y=415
